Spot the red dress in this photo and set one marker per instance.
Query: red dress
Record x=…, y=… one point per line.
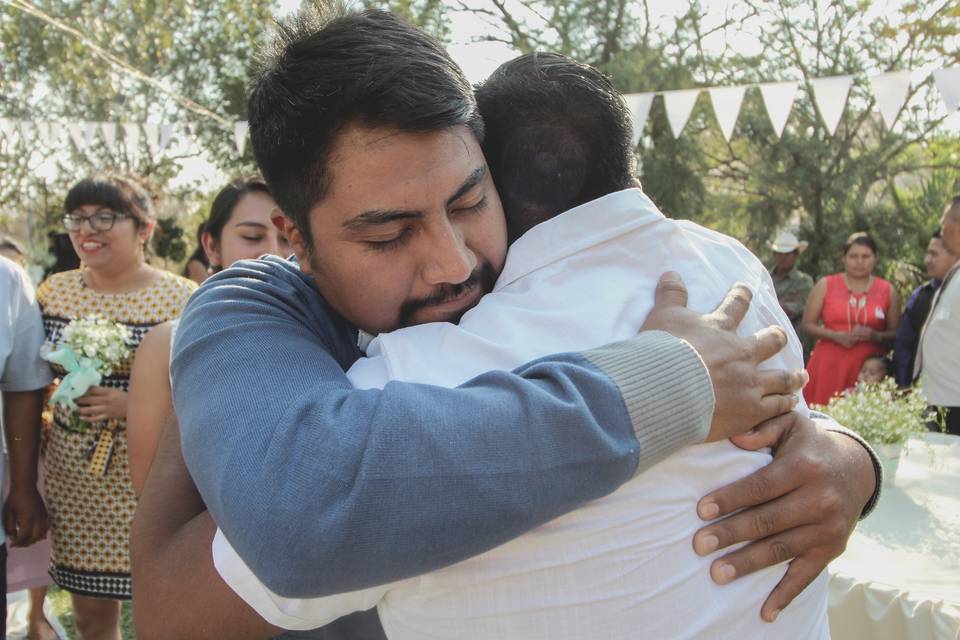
x=833, y=367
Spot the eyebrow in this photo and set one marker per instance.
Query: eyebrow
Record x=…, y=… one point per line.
x=384, y=216
x=251, y=224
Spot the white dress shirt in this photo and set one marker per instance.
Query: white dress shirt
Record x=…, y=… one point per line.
x=620, y=567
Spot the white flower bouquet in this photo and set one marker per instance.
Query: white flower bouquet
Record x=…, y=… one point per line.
x=89, y=349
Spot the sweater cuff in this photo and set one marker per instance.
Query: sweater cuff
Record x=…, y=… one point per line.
x=830, y=424
x=666, y=389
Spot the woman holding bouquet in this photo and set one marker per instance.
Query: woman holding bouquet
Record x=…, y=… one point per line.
x=90, y=499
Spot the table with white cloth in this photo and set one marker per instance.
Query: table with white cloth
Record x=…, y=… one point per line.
x=899, y=578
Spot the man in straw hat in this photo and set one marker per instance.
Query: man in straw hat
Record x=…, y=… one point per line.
x=792, y=285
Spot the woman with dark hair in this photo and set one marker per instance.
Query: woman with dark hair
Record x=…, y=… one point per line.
x=853, y=315
x=239, y=227
x=197, y=267
x=109, y=219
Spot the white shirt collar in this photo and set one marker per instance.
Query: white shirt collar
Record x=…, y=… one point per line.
x=579, y=228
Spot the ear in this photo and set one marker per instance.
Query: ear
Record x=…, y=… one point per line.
x=298, y=244
x=146, y=231
x=211, y=249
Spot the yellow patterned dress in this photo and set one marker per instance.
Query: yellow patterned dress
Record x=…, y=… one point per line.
x=91, y=508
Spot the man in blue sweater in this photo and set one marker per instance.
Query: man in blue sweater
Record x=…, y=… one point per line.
x=368, y=135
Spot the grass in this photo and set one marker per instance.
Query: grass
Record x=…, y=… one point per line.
x=60, y=601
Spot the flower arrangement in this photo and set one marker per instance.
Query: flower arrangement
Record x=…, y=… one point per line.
x=89, y=349
x=881, y=412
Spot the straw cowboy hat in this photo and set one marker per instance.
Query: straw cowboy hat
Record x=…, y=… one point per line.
x=786, y=242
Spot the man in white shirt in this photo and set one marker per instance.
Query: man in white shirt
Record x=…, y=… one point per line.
x=937, y=363
x=23, y=375
x=623, y=566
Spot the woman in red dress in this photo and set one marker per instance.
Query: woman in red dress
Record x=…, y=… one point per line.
x=852, y=315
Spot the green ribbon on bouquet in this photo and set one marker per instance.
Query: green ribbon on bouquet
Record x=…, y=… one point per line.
x=82, y=373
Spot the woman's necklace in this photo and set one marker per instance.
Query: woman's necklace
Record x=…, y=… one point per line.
x=856, y=305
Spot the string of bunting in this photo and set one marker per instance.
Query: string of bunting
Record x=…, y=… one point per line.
x=830, y=95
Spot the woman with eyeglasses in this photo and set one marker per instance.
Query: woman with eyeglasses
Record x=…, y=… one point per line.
x=853, y=315
x=109, y=219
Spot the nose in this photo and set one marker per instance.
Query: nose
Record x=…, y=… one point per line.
x=446, y=257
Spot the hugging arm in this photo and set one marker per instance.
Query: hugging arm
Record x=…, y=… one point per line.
x=454, y=472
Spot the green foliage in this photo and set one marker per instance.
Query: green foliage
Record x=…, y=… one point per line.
x=881, y=412
x=168, y=240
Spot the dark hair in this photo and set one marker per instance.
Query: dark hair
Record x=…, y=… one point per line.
x=11, y=244
x=321, y=75
x=557, y=135
x=198, y=254
x=226, y=201
x=66, y=258
x=937, y=235
x=117, y=192
x=863, y=239
x=885, y=361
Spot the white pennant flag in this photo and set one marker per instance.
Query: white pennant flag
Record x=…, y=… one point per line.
x=778, y=99
x=45, y=133
x=6, y=128
x=131, y=136
x=75, y=129
x=639, y=106
x=830, y=95
x=151, y=132
x=948, y=82
x=726, y=106
x=890, y=90
x=240, y=129
x=108, y=130
x=26, y=129
x=166, y=133
x=89, y=133
x=679, y=105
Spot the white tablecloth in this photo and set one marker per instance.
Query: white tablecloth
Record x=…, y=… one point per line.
x=899, y=578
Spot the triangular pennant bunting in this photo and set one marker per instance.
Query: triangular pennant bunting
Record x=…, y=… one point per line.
x=639, y=106
x=6, y=128
x=726, y=106
x=26, y=130
x=778, y=99
x=890, y=90
x=830, y=94
x=948, y=83
x=89, y=133
x=240, y=129
x=679, y=105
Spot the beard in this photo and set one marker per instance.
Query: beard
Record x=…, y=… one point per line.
x=483, y=277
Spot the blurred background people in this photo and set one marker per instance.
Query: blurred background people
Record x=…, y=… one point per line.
x=938, y=358
x=239, y=228
x=109, y=219
x=792, y=285
x=852, y=315
x=938, y=262
x=23, y=377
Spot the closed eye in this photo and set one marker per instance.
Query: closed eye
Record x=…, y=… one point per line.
x=392, y=243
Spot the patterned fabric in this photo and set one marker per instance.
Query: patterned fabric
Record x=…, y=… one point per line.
x=832, y=367
x=90, y=514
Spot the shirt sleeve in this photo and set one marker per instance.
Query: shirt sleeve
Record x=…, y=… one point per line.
x=24, y=369
x=322, y=488
x=289, y=613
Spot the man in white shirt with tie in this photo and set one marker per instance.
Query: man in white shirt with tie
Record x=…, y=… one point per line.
x=623, y=566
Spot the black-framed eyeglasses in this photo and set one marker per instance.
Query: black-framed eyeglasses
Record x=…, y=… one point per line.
x=99, y=221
